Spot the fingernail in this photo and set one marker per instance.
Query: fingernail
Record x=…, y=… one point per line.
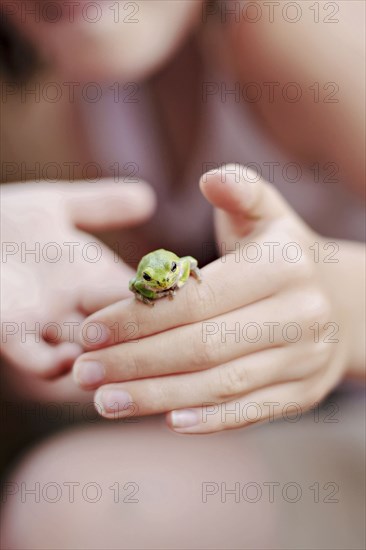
x=185, y=418
x=114, y=400
x=89, y=373
x=93, y=334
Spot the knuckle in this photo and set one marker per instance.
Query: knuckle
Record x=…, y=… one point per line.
x=324, y=309
x=201, y=299
x=206, y=353
x=232, y=379
x=307, y=306
x=122, y=326
x=315, y=307
x=131, y=327
x=320, y=354
x=291, y=262
x=313, y=359
x=132, y=367
x=295, y=271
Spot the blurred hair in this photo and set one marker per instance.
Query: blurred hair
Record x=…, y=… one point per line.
x=19, y=59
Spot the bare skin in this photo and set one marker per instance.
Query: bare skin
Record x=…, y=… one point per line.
x=312, y=139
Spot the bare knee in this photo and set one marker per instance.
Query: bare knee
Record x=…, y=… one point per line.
x=133, y=486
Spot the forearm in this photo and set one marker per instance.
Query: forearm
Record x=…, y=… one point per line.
x=325, y=62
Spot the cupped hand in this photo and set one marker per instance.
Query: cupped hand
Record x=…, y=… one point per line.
x=261, y=334
x=53, y=273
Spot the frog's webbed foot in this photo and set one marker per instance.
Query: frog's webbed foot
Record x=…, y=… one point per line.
x=144, y=299
x=171, y=293
x=196, y=273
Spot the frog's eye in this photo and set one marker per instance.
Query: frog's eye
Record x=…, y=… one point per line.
x=146, y=277
x=174, y=267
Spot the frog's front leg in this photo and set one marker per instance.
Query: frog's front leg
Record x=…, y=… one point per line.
x=141, y=293
x=190, y=267
x=131, y=284
x=171, y=293
x=144, y=299
x=194, y=269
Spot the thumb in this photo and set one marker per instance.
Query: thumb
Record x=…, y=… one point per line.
x=105, y=283
x=107, y=204
x=243, y=200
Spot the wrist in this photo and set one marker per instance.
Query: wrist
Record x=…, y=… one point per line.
x=343, y=279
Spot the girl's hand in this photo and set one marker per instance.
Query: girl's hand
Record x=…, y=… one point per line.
x=263, y=332
x=53, y=273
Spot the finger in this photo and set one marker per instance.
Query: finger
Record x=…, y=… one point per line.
x=40, y=358
x=243, y=199
x=289, y=401
x=226, y=286
x=104, y=293
x=104, y=276
x=67, y=330
x=105, y=282
x=193, y=347
x=108, y=205
x=216, y=386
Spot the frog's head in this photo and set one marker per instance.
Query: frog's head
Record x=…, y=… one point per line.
x=162, y=275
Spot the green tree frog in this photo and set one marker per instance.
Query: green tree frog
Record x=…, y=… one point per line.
x=160, y=273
